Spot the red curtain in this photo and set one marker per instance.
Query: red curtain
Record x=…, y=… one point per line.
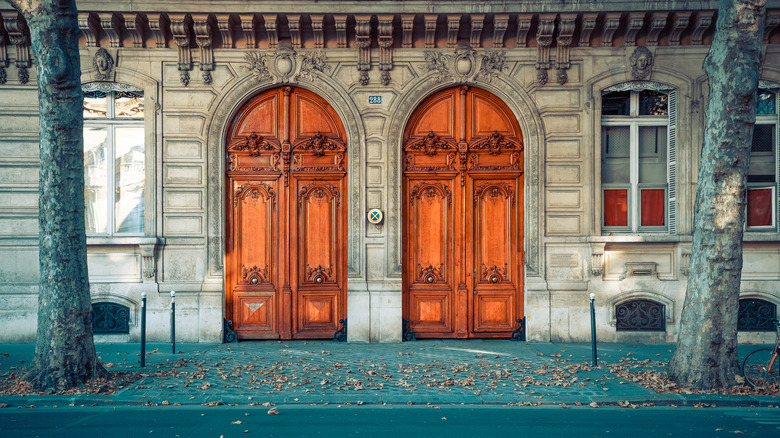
x=759, y=207
x=653, y=210
x=615, y=208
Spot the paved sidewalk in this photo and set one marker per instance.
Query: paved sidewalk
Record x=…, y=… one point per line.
x=418, y=372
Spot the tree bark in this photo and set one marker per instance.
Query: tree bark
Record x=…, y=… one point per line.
x=706, y=353
x=64, y=351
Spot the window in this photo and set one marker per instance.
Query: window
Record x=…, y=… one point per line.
x=762, y=181
x=114, y=154
x=638, y=128
x=756, y=315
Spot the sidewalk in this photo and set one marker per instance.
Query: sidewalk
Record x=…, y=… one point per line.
x=419, y=372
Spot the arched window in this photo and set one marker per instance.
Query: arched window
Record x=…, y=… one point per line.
x=638, y=142
x=756, y=315
x=114, y=157
x=640, y=315
x=110, y=318
x=762, y=190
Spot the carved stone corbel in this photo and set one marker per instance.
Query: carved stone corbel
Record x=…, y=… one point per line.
x=3, y=55
x=587, y=24
x=523, y=27
x=317, y=22
x=225, y=24
x=703, y=22
x=385, y=46
x=248, y=23
x=500, y=24
x=679, y=24
x=771, y=22
x=657, y=24
x=635, y=22
x=565, y=36
x=180, y=28
x=19, y=36
x=611, y=24
x=340, y=21
x=149, y=262
x=201, y=24
x=453, y=27
x=685, y=262
x=158, y=24
x=597, y=259
x=544, y=37
x=135, y=25
x=407, y=24
x=111, y=25
x=363, y=42
x=88, y=25
x=477, y=22
x=430, y=31
x=270, y=28
x=294, y=25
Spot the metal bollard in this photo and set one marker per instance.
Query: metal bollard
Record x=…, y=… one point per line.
x=173, y=322
x=593, y=327
x=143, y=329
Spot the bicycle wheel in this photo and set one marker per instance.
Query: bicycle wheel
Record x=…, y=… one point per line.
x=755, y=369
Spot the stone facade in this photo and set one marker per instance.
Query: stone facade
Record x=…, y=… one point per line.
x=549, y=62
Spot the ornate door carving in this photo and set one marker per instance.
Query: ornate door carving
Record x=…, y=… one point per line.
x=463, y=210
x=286, y=217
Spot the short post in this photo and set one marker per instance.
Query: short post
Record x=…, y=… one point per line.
x=173, y=322
x=593, y=327
x=143, y=329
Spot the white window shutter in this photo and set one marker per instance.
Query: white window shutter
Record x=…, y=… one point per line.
x=672, y=164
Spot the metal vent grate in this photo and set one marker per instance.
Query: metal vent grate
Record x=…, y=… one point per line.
x=640, y=315
x=756, y=315
x=110, y=318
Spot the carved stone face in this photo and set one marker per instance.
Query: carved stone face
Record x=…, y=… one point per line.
x=103, y=63
x=641, y=62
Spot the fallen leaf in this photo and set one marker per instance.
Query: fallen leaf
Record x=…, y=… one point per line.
x=273, y=411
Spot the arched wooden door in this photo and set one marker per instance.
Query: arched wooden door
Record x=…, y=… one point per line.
x=463, y=217
x=286, y=213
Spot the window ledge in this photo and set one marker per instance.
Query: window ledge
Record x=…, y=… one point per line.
x=752, y=236
x=118, y=241
x=652, y=238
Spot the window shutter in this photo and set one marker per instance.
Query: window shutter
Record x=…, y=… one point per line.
x=671, y=171
x=777, y=161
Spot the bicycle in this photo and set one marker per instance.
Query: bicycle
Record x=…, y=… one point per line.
x=761, y=368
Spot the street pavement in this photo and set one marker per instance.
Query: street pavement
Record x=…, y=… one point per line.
x=468, y=372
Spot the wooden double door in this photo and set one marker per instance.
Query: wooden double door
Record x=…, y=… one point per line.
x=286, y=212
x=462, y=217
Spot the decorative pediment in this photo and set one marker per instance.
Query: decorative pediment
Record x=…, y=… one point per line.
x=430, y=144
x=255, y=144
x=495, y=143
x=318, y=144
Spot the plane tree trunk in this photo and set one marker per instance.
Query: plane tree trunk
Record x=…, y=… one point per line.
x=706, y=353
x=64, y=350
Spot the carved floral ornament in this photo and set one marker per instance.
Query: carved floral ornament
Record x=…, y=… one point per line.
x=495, y=142
x=430, y=191
x=494, y=274
x=254, y=274
x=318, y=144
x=284, y=65
x=254, y=191
x=318, y=193
x=430, y=144
x=319, y=274
x=254, y=145
x=430, y=274
x=462, y=65
x=494, y=191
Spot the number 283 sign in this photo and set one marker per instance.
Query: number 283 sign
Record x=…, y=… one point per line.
x=374, y=100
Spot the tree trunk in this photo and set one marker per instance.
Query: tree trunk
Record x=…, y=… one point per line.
x=706, y=352
x=64, y=351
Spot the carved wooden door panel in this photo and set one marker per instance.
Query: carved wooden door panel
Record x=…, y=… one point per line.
x=286, y=210
x=462, y=217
